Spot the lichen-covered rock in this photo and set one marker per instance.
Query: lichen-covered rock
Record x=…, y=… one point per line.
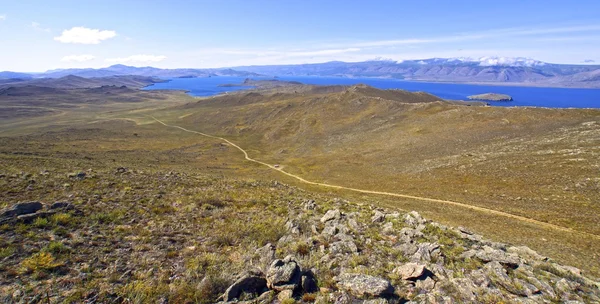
x=489, y=254
x=362, y=285
x=331, y=215
x=285, y=295
x=378, y=217
x=410, y=271
x=266, y=254
x=425, y=252
x=413, y=219
x=284, y=274
x=310, y=205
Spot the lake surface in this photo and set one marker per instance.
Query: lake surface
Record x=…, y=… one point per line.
x=523, y=96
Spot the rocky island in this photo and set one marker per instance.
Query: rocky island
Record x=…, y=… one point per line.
x=491, y=97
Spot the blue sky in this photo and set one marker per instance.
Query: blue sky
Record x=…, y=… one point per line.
x=42, y=35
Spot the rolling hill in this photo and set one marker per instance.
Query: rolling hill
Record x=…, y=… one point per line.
x=117, y=194
x=77, y=82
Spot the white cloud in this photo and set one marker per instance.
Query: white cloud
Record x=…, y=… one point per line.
x=137, y=58
x=78, y=58
x=36, y=26
x=2, y=17
x=84, y=35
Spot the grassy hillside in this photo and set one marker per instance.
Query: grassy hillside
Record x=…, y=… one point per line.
x=148, y=197
x=76, y=82
x=533, y=162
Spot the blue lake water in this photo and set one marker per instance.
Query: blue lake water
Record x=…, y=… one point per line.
x=523, y=96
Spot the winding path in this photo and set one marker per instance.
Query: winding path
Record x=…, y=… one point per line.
x=434, y=200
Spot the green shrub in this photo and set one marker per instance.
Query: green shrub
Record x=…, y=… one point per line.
x=56, y=247
x=6, y=251
x=41, y=222
x=42, y=261
x=63, y=219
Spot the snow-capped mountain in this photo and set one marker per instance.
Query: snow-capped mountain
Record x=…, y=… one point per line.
x=482, y=61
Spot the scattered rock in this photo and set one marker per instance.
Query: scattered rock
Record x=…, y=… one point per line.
x=527, y=253
x=285, y=295
x=425, y=252
x=428, y=284
x=413, y=219
x=362, y=285
x=252, y=283
x=489, y=254
x=378, y=217
x=310, y=205
x=78, y=175
x=62, y=205
x=22, y=208
x=331, y=215
x=329, y=231
x=388, y=229
x=410, y=271
x=284, y=274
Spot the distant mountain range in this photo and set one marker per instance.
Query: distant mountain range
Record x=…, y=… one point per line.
x=491, y=70
x=122, y=70
x=485, y=70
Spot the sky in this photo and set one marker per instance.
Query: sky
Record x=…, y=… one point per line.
x=36, y=36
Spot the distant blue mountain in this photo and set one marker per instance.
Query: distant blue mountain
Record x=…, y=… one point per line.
x=9, y=75
x=489, y=70
x=121, y=70
x=518, y=71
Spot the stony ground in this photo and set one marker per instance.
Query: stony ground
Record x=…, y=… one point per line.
x=119, y=235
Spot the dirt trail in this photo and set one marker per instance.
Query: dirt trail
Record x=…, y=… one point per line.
x=476, y=208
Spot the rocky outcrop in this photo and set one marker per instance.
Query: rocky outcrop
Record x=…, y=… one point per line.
x=414, y=259
x=29, y=211
x=284, y=274
x=362, y=285
x=252, y=283
x=21, y=209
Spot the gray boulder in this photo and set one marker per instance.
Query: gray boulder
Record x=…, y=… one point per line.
x=251, y=283
x=489, y=254
x=410, y=271
x=266, y=255
x=425, y=252
x=362, y=285
x=378, y=217
x=331, y=215
x=330, y=230
x=310, y=205
x=284, y=274
x=22, y=208
x=413, y=219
